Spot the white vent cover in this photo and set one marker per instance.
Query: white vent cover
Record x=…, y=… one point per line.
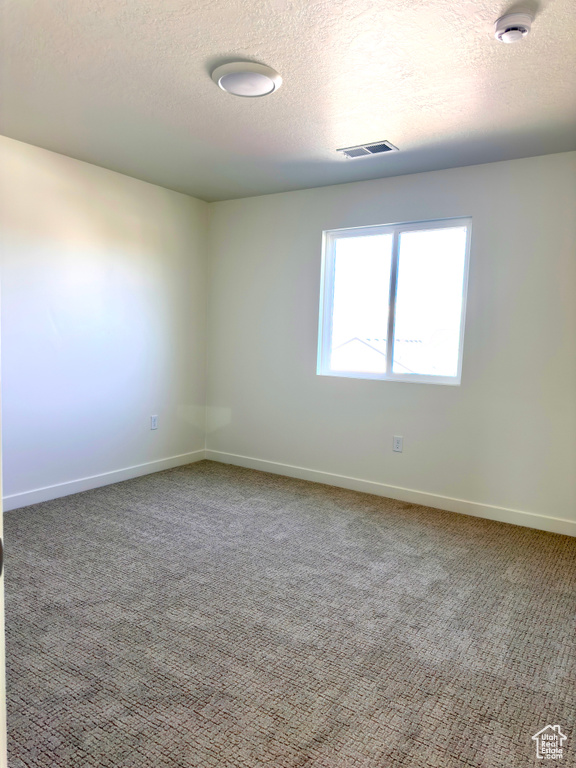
x=367, y=150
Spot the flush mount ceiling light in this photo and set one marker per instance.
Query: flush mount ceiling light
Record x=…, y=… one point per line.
x=513, y=27
x=246, y=78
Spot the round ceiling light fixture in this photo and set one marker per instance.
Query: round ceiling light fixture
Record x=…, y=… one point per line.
x=247, y=79
x=513, y=27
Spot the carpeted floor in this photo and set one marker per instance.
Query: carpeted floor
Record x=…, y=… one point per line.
x=211, y=616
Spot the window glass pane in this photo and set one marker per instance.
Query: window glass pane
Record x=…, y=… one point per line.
x=429, y=301
x=360, y=310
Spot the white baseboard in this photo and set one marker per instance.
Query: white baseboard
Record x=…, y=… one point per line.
x=488, y=511
x=17, y=500
x=477, y=509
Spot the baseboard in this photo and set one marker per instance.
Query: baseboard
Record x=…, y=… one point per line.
x=488, y=511
x=477, y=509
x=17, y=500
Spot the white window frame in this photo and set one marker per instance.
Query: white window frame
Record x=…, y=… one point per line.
x=329, y=238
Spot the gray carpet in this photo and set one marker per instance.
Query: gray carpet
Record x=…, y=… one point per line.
x=211, y=616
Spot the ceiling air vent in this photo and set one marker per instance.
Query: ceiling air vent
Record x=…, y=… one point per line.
x=365, y=150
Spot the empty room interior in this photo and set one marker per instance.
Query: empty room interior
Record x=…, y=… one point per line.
x=288, y=366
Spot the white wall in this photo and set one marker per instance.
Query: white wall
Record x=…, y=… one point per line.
x=103, y=307
x=103, y=324
x=501, y=445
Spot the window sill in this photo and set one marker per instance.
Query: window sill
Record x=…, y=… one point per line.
x=450, y=381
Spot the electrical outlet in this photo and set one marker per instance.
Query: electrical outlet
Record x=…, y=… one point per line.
x=153, y=422
x=397, y=444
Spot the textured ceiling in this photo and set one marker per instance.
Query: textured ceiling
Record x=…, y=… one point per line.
x=125, y=84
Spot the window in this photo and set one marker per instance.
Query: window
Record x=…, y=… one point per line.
x=393, y=301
